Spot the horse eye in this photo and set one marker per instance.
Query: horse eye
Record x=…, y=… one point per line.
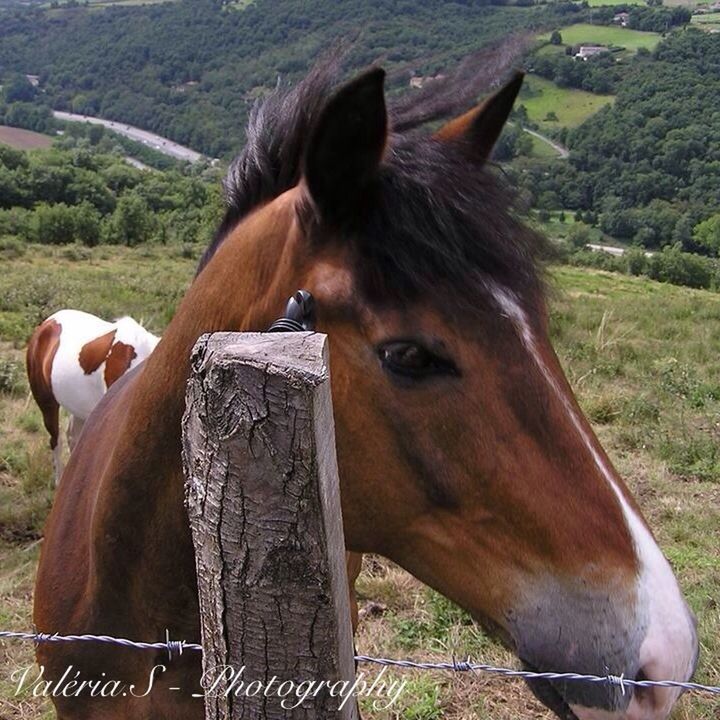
x=412, y=360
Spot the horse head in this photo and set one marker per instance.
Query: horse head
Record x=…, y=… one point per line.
x=463, y=454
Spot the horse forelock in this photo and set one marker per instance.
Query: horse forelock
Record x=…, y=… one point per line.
x=438, y=221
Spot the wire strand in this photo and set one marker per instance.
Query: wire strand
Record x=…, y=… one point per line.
x=176, y=647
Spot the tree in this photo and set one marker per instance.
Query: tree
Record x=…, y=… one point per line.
x=96, y=133
x=683, y=232
x=513, y=142
x=87, y=224
x=19, y=89
x=675, y=266
x=556, y=38
x=645, y=237
x=707, y=234
x=579, y=235
x=131, y=223
x=54, y=224
x=636, y=261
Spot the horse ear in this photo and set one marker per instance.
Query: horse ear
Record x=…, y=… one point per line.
x=346, y=146
x=480, y=127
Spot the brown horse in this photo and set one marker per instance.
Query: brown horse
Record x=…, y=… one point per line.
x=463, y=454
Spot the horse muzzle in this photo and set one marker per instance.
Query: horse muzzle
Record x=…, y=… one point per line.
x=602, y=635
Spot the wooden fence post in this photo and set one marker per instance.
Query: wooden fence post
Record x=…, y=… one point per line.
x=263, y=501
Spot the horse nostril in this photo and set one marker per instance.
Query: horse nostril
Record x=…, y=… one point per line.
x=644, y=695
x=654, y=700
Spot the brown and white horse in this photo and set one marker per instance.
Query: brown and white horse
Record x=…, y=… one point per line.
x=72, y=358
x=463, y=454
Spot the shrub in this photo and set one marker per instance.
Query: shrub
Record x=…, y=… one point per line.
x=131, y=223
x=680, y=268
x=11, y=377
x=61, y=224
x=600, y=260
x=579, y=235
x=11, y=248
x=16, y=222
x=76, y=253
x=692, y=455
x=636, y=261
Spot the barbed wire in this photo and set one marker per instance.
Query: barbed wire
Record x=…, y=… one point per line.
x=177, y=647
x=467, y=666
x=173, y=647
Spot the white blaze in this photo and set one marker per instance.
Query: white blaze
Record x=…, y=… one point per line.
x=668, y=650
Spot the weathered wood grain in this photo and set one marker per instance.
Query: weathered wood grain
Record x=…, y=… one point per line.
x=263, y=501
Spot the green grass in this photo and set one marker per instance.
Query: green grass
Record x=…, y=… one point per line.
x=572, y=107
x=145, y=282
x=641, y=357
x=584, y=33
x=712, y=17
x=709, y=21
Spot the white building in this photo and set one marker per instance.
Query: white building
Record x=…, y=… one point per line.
x=588, y=51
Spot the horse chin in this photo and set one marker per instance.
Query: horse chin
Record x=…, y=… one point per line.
x=550, y=697
x=542, y=689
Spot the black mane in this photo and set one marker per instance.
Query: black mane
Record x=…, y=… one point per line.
x=438, y=220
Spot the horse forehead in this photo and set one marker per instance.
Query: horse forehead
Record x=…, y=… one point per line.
x=332, y=283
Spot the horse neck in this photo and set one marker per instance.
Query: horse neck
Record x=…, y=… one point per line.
x=243, y=288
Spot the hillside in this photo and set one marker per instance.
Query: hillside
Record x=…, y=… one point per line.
x=190, y=70
x=645, y=168
x=80, y=227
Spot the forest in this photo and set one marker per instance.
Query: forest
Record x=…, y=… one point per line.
x=646, y=169
x=190, y=70
x=87, y=194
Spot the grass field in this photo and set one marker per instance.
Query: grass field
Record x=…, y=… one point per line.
x=707, y=21
x=572, y=107
x=23, y=139
x=707, y=18
x=641, y=356
x=584, y=33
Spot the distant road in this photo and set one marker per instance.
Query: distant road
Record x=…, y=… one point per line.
x=161, y=144
x=563, y=152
